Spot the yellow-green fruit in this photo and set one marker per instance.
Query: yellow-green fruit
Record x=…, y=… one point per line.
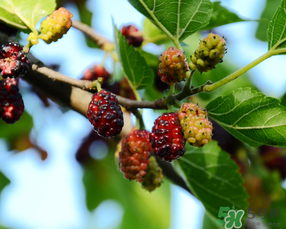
x=55, y=25
x=172, y=66
x=154, y=176
x=196, y=127
x=33, y=38
x=209, y=53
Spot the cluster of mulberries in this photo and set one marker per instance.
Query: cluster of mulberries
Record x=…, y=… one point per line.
x=209, y=53
x=171, y=131
x=13, y=64
x=55, y=25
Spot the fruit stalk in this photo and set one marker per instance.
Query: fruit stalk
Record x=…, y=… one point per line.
x=233, y=76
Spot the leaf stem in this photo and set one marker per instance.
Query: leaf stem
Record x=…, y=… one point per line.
x=97, y=85
x=177, y=43
x=171, y=91
x=278, y=51
x=278, y=43
x=233, y=76
x=186, y=89
x=27, y=47
x=104, y=58
x=151, y=12
x=160, y=37
x=211, y=87
x=139, y=120
x=136, y=93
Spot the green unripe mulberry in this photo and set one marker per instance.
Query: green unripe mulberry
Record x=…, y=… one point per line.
x=55, y=25
x=154, y=176
x=209, y=53
x=33, y=38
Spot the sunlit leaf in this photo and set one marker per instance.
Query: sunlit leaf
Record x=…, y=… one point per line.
x=277, y=27
x=25, y=14
x=210, y=224
x=134, y=65
x=222, y=16
x=269, y=9
x=251, y=117
x=213, y=178
x=4, y=181
x=23, y=126
x=179, y=18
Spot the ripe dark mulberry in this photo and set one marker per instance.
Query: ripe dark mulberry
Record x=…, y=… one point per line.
x=13, y=60
x=11, y=102
x=133, y=157
x=167, y=139
x=95, y=72
x=105, y=114
x=132, y=35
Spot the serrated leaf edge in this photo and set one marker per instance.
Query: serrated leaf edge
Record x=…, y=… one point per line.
x=183, y=175
x=255, y=94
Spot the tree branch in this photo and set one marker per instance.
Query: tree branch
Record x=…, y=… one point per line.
x=60, y=92
x=58, y=78
x=92, y=34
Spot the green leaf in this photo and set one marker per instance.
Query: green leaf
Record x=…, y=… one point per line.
x=179, y=18
x=277, y=27
x=152, y=33
x=209, y=224
x=2, y=227
x=269, y=10
x=283, y=100
x=134, y=65
x=150, y=30
x=213, y=178
x=10, y=132
x=221, y=16
x=4, y=181
x=86, y=17
x=251, y=117
x=25, y=14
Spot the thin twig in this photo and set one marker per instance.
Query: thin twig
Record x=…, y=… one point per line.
x=129, y=104
x=83, y=84
x=92, y=34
